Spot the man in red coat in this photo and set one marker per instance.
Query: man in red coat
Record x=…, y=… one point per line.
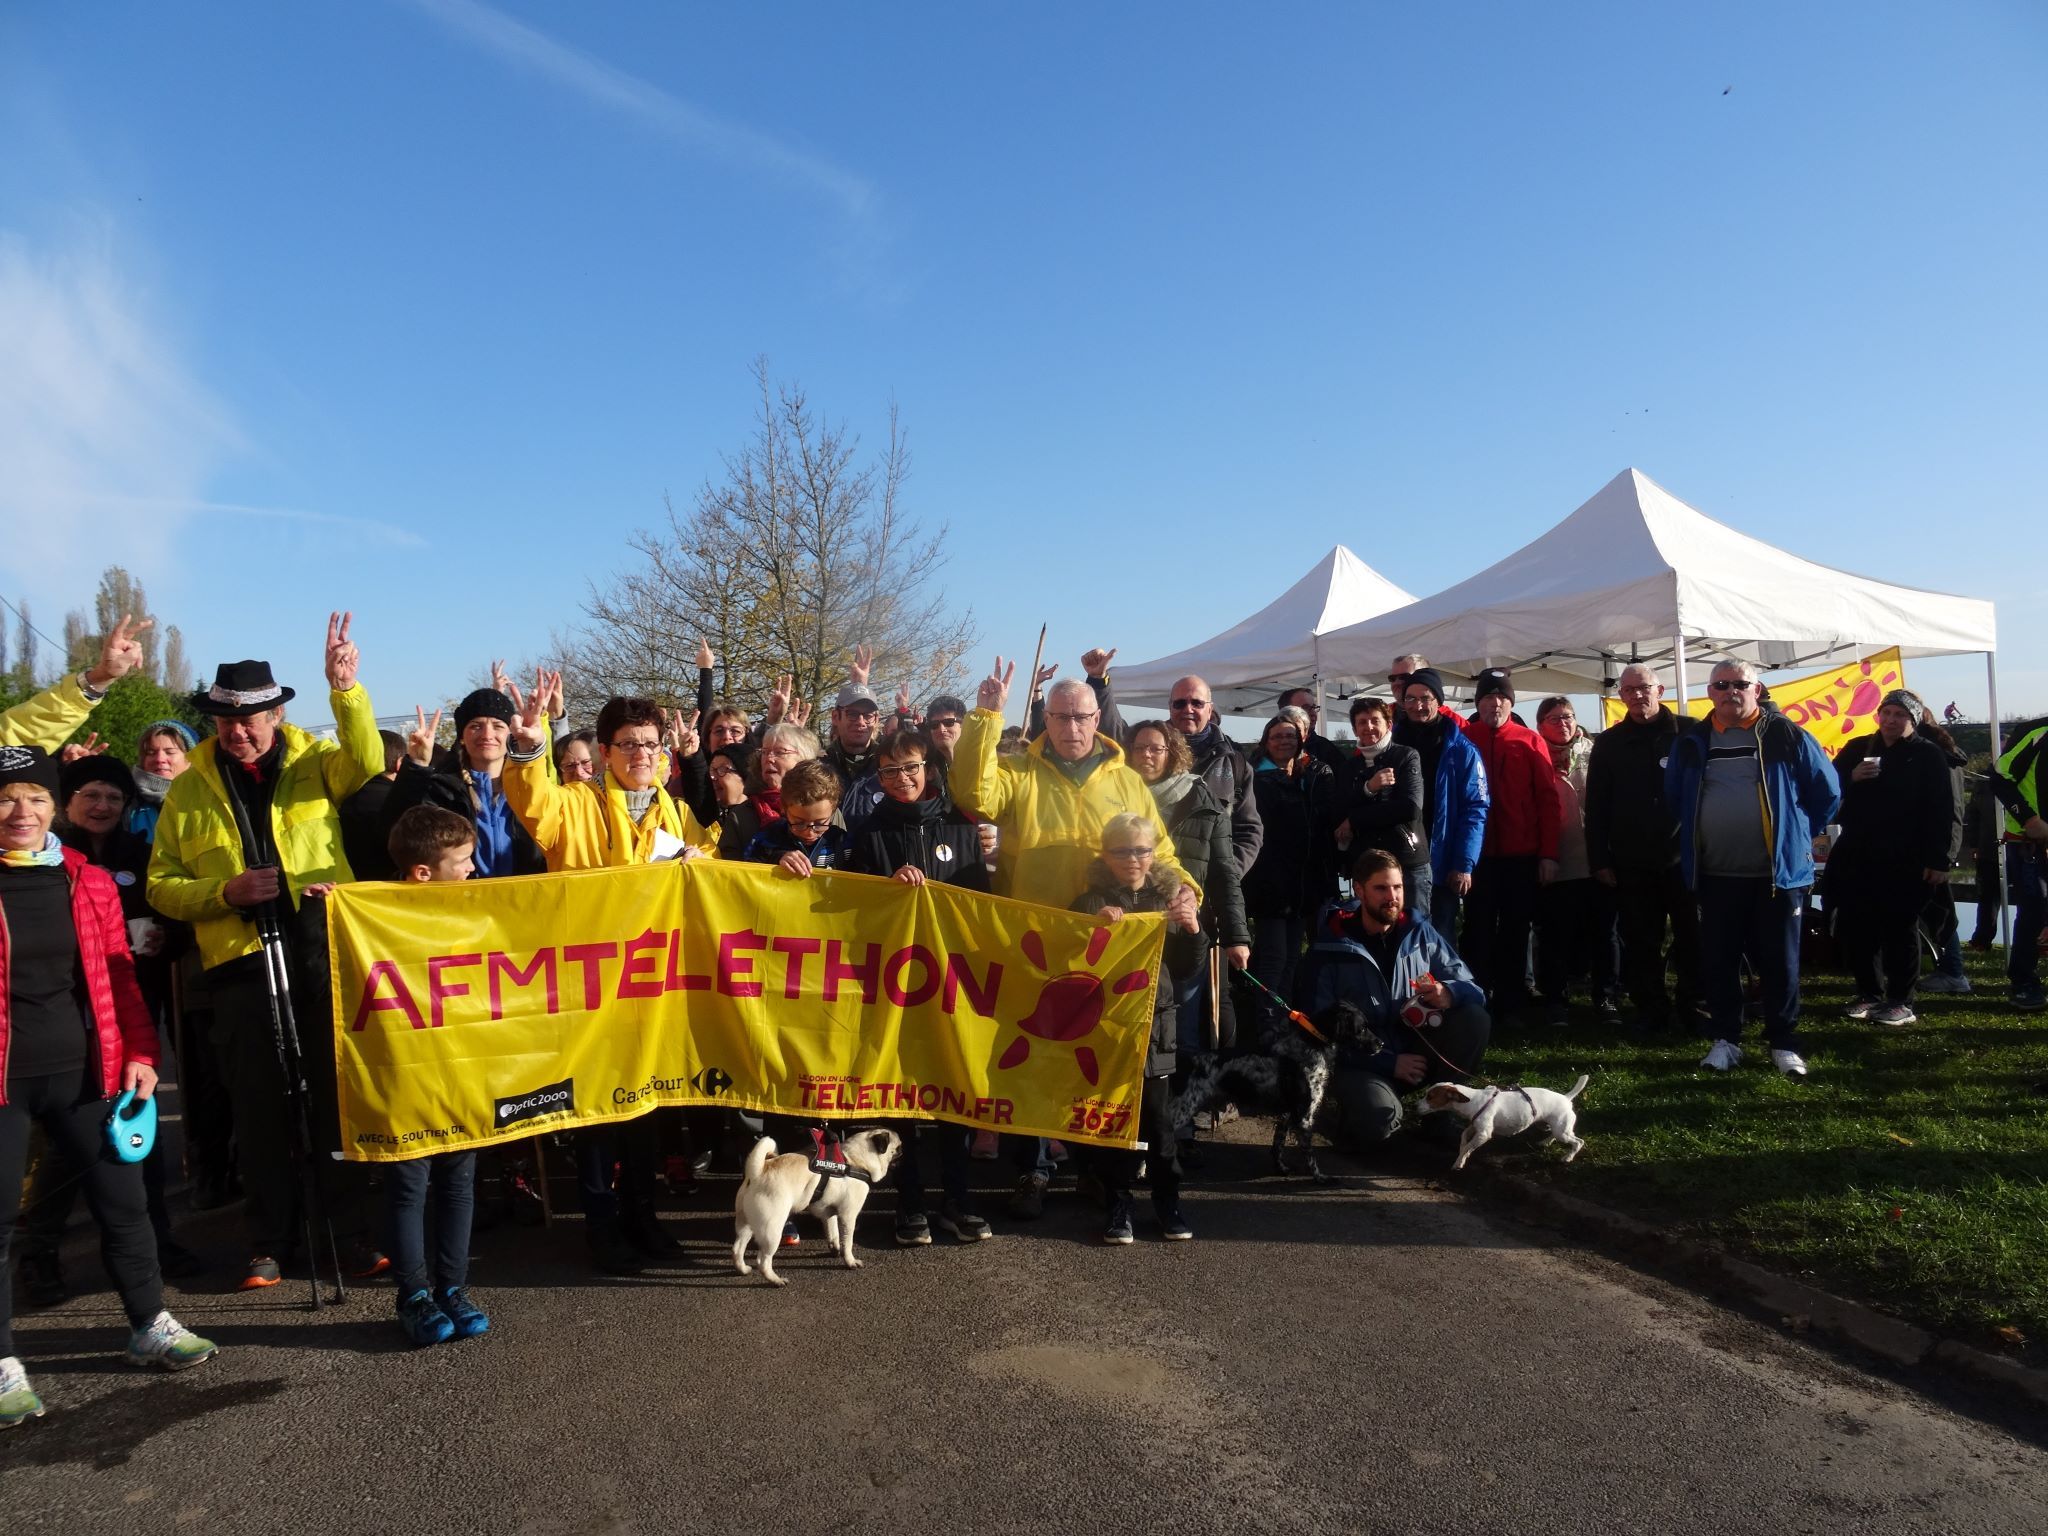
x=1520, y=852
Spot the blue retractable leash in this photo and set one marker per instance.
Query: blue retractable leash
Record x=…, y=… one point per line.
x=131, y=1128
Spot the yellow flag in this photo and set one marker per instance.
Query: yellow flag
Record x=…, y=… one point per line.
x=1836, y=705
x=473, y=1013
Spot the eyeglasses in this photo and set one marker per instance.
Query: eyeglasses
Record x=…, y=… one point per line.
x=1127, y=853
x=723, y=770
x=1190, y=703
x=1073, y=719
x=810, y=826
x=636, y=748
x=1637, y=690
x=943, y=723
x=900, y=771
x=1730, y=685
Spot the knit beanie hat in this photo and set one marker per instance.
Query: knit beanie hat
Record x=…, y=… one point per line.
x=28, y=765
x=1907, y=700
x=98, y=768
x=178, y=728
x=483, y=704
x=1492, y=680
x=1429, y=678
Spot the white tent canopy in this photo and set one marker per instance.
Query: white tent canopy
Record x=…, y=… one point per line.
x=1247, y=665
x=1636, y=574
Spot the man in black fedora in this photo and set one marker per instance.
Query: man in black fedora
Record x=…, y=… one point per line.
x=256, y=820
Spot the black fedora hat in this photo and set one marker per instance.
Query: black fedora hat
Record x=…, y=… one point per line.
x=240, y=688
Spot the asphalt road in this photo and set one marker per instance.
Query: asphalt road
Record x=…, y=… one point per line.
x=1376, y=1356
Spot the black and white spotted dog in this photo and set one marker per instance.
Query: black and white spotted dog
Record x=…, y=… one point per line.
x=1288, y=1081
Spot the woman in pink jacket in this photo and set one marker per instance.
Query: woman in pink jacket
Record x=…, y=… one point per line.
x=74, y=1033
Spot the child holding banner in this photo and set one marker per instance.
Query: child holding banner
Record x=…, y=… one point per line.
x=1125, y=880
x=429, y=843
x=914, y=839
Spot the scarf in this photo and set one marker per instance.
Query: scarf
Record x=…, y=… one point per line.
x=767, y=805
x=493, y=826
x=50, y=855
x=1171, y=790
x=1207, y=740
x=1561, y=751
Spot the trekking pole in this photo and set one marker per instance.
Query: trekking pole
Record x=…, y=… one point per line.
x=292, y=1062
x=1031, y=687
x=284, y=1036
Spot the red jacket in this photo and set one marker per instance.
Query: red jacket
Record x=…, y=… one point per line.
x=1522, y=818
x=121, y=1022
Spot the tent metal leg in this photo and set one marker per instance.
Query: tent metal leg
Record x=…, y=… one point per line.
x=1991, y=692
x=1684, y=698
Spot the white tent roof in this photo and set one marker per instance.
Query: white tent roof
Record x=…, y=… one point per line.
x=1247, y=664
x=1628, y=572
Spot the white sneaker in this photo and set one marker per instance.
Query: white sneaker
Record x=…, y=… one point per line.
x=1791, y=1063
x=1723, y=1057
x=1945, y=986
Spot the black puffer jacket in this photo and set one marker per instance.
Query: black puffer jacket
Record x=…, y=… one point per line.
x=931, y=834
x=1387, y=819
x=447, y=786
x=1201, y=841
x=1628, y=825
x=1291, y=876
x=1156, y=894
x=1907, y=818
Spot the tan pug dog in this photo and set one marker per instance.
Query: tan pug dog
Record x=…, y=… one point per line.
x=772, y=1189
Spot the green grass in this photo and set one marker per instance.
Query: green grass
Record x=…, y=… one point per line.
x=1909, y=1170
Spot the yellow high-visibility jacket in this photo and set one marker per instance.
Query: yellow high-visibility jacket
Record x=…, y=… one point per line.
x=199, y=848
x=47, y=719
x=587, y=825
x=1050, y=826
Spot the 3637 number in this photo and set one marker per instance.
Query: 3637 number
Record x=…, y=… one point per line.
x=1099, y=1120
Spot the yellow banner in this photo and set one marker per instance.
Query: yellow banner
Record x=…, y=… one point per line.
x=474, y=1013
x=1835, y=706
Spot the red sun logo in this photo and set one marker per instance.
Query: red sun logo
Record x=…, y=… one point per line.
x=1070, y=1004
x=1867, y=697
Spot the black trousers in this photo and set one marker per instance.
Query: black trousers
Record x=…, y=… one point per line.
x=266, y=1138
x=1877, y=910
x=68, y=1107
x=1118, y=1169
x=1498, y=915
x=1647, y=902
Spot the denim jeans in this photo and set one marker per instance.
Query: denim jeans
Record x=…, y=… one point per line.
x=1742, y=916
x=447, y=1181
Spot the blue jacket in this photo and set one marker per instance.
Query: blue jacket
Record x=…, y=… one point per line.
x=774, y=840
x=1800, y=789
x=1457, y=815
x=1339, y=969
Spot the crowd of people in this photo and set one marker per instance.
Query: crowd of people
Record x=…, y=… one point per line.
x=1445, y=873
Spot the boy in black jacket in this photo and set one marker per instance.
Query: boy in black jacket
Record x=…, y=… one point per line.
x=914, y=838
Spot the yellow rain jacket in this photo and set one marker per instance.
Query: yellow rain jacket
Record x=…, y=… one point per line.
x=199, y=848
x=587, y=825
x=1051, y=827
x=48, y=719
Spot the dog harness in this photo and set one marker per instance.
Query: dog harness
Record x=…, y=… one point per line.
x=828, y=1160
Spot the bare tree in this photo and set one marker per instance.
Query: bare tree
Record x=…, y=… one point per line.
x=80, y=646
x=799, y=553
x=119, y=593
x=177, y=671
x=25, y=648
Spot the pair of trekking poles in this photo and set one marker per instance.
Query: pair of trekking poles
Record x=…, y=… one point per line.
x=291, y=1064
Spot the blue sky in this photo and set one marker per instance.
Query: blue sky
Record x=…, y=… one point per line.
x=420, y=306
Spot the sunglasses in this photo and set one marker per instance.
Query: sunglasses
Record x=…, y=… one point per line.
x=943, y=723
x=900, y=771
x=1190, y=703
x=1730, y=685
x=1127, y=853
